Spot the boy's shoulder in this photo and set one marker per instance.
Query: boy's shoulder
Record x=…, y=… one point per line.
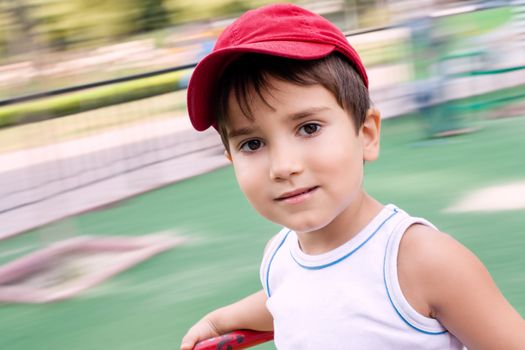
x=431, y=266
x=421, y=241
x=427, y=253
x=425, y=246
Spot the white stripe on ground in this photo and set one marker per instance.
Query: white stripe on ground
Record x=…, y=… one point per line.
x=510, y=196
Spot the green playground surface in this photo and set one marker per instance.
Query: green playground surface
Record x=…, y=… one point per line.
x=151, y=305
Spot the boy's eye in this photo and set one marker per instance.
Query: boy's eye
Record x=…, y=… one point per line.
x=309, y=129
x=251, y=145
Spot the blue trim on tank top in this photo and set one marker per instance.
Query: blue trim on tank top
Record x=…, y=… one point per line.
x=350, y=253
x=395, y=308
x=270, y=263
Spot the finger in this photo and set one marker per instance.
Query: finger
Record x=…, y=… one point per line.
x=188, y=342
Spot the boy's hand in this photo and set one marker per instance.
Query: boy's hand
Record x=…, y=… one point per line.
x=203, y=329
x=248, y=313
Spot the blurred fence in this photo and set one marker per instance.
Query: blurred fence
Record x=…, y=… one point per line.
x=45, y=181
x=83, y=87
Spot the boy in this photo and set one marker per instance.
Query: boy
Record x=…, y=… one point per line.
x=292, y=107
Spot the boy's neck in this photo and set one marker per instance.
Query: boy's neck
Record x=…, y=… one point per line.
x=343, y=228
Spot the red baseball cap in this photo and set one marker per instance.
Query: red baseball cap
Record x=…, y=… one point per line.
x=283, y=30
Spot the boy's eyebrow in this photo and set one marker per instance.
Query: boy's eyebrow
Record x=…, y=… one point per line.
x=293, y=117
x=240, y=132
x=306, y=113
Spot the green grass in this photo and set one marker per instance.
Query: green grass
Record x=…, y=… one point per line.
x=154, y=303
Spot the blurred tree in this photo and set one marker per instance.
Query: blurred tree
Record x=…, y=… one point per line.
x=64, y=24
x=232, y=8
x=151, y=15
x=5, y=26
x=206, y=10
x=31, y=25
x=367, y=13
x=19, y=27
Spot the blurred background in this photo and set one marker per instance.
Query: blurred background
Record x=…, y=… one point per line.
x=96, y=146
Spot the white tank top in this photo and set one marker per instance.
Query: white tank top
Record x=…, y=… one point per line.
x=347, y=298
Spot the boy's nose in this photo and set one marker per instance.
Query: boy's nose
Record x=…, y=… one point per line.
x=285, y=164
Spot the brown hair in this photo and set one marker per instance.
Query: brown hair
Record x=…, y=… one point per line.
x=250, y=74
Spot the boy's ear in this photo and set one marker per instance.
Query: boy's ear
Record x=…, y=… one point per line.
x=228, y=155
x=371, y=132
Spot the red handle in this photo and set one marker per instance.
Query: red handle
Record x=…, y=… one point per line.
x=235, y=340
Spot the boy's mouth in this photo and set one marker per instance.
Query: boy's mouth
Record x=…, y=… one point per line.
x=296, y=193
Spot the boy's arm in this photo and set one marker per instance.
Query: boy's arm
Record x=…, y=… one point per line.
x=248, y=313
x=458, y=290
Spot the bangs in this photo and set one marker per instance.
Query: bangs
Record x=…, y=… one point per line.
x=248, y=78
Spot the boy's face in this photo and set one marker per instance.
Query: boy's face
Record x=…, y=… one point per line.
x=300, y=160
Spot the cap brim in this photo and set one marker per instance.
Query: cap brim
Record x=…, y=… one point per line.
x=204, y=79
